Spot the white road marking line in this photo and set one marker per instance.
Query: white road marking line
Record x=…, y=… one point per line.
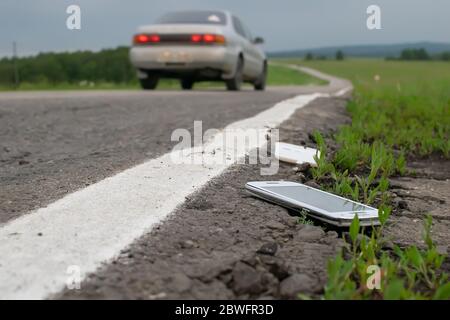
x=92, y=225
x=342, y=92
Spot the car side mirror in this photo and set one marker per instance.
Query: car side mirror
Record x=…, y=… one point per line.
x=258, y=40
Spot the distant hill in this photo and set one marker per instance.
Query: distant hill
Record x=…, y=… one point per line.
x=381, y=50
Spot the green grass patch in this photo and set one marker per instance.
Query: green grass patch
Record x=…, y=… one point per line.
x=280, y=76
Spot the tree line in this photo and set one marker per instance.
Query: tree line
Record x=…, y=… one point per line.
x=406, y=54
x=339, y=55
x=420, y=54
x=110, y=65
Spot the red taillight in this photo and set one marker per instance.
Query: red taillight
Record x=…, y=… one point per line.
x=196, y=38
x=209, y=38
x=146, y=38
x=155, y=38
x=141, y=38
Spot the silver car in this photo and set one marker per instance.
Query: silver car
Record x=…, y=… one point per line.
x=199, y=46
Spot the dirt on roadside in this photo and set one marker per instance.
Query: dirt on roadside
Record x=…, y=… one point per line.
x=224, y=244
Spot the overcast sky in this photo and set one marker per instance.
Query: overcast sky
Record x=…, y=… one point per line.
x=40, y=25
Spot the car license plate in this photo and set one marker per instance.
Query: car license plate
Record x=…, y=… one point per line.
x=174, y=57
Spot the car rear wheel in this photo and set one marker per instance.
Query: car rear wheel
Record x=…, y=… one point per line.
x=187, y=84
x=260, y=83
x=149, y=83
x=235, y=83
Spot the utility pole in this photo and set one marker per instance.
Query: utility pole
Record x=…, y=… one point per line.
x=16, y=71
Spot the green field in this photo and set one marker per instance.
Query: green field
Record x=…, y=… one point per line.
x=362, y=71
x=400, y=110
x=405, y=104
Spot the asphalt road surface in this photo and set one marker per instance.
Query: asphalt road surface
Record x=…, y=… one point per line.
x=55, y=143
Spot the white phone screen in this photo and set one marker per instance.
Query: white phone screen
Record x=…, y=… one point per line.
x=317, y=199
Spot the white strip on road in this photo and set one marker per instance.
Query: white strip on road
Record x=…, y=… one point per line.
x=92, y=225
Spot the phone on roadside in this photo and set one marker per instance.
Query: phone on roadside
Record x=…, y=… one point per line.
x=318, y=204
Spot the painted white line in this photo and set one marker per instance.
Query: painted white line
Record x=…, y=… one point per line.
x=342, y=92
x=92, y=225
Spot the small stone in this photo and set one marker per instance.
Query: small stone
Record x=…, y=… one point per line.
x=156, y=296
x=246, y=279
x=250, y=259
x=310, y=233
x=180, y=282
x=290, y=221
x=188, y=244
x=312, y=184
x=275, y=225
x=23, y=162
x=269, y=248
x=295, y=284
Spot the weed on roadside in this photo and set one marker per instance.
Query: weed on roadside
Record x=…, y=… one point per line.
x=303, y=218
x=409, y=273
x=378, y=160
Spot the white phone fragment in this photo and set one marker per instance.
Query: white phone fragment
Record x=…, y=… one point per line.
x=295, y=154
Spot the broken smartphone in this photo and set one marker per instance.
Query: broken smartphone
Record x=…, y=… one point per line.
x=318, y=204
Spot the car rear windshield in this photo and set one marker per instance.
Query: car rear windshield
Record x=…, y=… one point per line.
x=195, y=17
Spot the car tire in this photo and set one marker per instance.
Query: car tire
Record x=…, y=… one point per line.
x=260, y=83
x=187, y=84
x=149, y=83
x=235, y=83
